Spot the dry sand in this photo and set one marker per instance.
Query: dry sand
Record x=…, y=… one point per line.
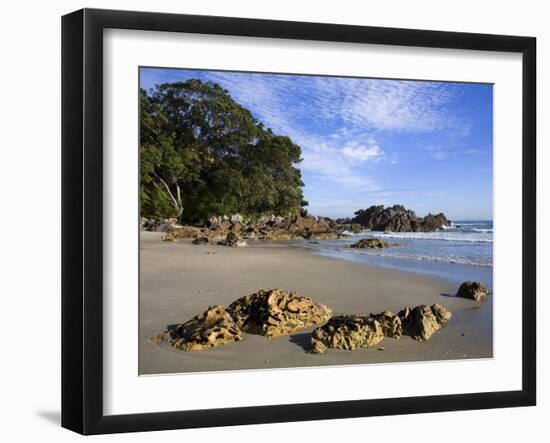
x=179, y=280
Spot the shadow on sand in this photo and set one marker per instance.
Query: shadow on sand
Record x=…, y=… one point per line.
x=302, y=340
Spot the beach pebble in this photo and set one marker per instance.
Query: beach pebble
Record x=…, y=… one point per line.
x=381, y=348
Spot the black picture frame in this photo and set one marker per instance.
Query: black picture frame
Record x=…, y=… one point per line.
x=82, y=219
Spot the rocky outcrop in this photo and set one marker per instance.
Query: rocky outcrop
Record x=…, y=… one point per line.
x=346, y=224
x=294, y=227
x=236, y=218
x=432, y=223
x=399, y=219
x=233, y=240
x=354, y=228
x=211, y=328
x=202, y=239
x=423, y=321
x=175, y=232
x=275, y=312
x=473, y=290
x=347, y=332
x=299, y=227
x=157, y=224
x=390, y=324
x=351, y=332
x=372, y=243
x=267, y=227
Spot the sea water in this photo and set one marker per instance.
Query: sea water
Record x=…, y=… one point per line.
x=462, y=251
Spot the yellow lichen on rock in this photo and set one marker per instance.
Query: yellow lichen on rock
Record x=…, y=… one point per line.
x=275, y=312
x=211, y=328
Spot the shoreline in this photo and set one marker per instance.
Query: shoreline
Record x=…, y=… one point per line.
x=179, y=280
x=455, y=272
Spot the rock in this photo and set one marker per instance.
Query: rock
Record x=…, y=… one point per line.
x=348, y=332
x=355, y=228
x=372, y=243
x=271, y=227
x=390, y=324
x=236, y=218
x=169, y=237
x=442, y=314
x=214, y=222
x=237, y=227
x=423, y=321
x=278, y=234
x=202, y=240
x=249, y=235
x=473, y=290
x=177, y=232
x=233, y=240
x=275, y=312
x=322, y=236
x=432, y=222
x=158, y=224
x=399, y=219
x=211, y=328
x=368, y=217
x=308, y=227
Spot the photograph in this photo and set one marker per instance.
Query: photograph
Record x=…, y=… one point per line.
x=292, y=221
x=271, y=221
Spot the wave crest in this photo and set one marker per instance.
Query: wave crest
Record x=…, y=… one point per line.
x=421, y=257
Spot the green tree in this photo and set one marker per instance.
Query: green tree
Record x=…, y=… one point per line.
x=203, y=154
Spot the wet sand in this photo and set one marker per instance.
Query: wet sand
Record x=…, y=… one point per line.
x=179, y=280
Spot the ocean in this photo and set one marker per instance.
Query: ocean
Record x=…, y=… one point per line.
x=463, y=251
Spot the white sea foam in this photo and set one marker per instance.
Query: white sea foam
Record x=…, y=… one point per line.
x=482, y=230
x=345, y=232
x=469, y=243
x=473, y=237
x=467, y=224
x=420, y=257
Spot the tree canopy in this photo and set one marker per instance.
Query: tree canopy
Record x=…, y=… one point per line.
x=203, y=154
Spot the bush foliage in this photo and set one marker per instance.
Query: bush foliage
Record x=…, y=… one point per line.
x=203, y=154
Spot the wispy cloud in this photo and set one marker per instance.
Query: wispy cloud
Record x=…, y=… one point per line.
x=359, y=104
x=328, y=161
x=401, y=106
x=288, y=105
x=346, y=125
x=362, y=153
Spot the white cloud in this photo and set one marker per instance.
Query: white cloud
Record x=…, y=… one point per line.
x=399, y=106
x=341, y=124
x=354, y=103
x=329, y=162
x=387, y=105
x=362, y=153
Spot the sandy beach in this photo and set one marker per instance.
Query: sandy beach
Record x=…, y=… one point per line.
x=179, y=280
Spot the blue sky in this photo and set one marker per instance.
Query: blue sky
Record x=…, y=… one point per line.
x=426, y=145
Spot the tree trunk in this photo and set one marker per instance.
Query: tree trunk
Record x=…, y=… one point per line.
x=178, y=197
x=176, y=200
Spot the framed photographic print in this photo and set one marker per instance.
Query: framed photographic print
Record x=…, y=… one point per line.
x=269, y=221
